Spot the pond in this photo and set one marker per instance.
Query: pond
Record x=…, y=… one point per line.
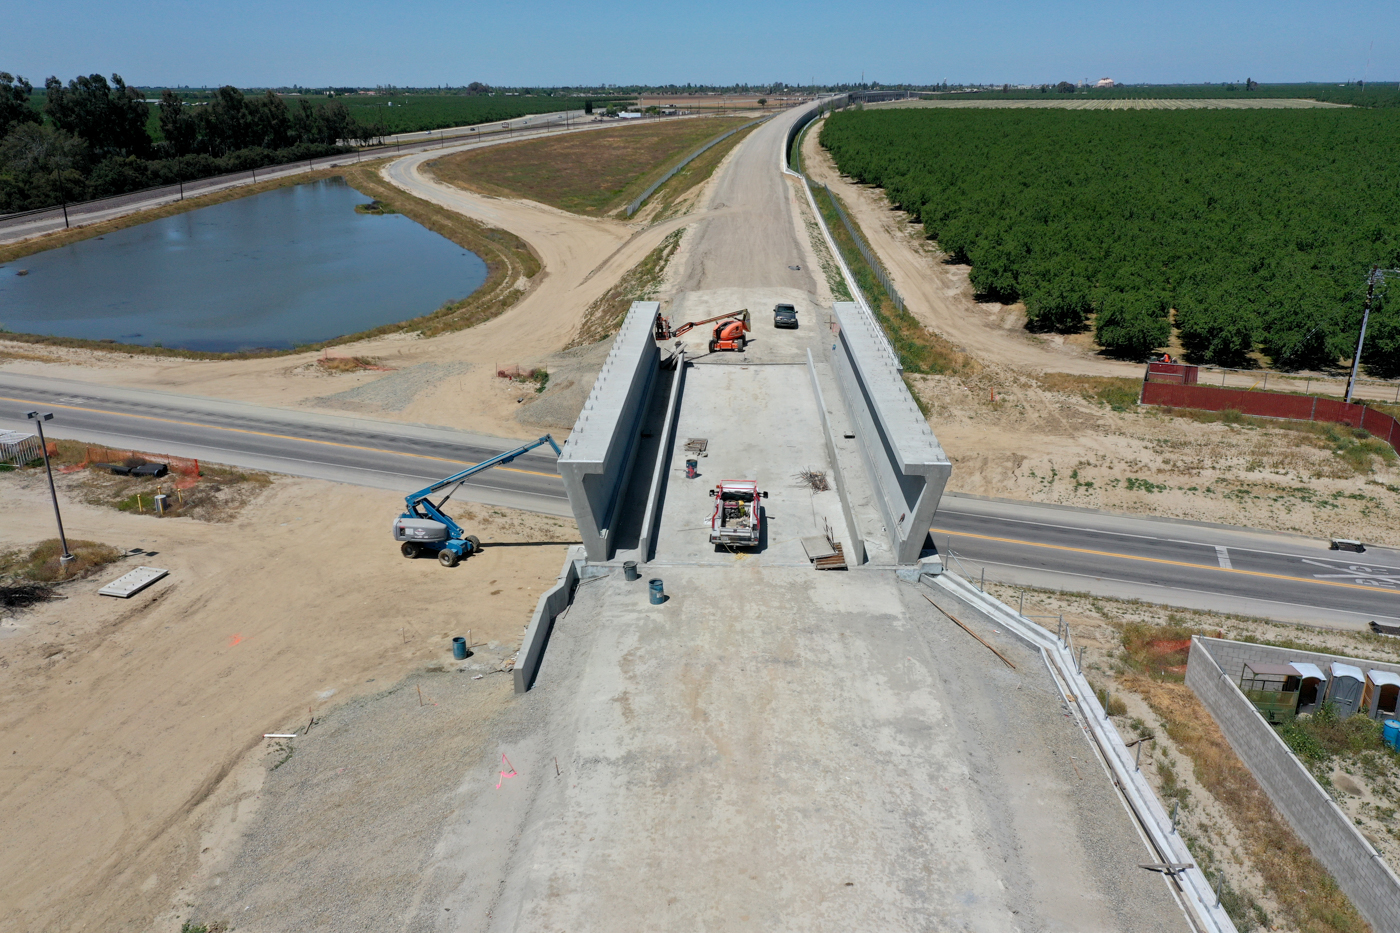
x=290, y=266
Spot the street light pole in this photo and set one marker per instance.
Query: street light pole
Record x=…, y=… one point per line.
x=39, y=420
x=1376, y=276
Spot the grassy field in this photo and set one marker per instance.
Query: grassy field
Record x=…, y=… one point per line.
x=594, y=173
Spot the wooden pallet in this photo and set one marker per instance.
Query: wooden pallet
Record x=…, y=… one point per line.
x=835, y=562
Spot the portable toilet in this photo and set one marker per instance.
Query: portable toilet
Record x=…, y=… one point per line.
x=1344, y=691
x=1312, y=687
x=1381, y=693
x=1272, y=688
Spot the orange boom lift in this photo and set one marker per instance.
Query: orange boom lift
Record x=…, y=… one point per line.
x=728, y=333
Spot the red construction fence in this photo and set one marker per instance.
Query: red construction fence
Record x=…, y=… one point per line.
x=1171, y=385
x=184, y=472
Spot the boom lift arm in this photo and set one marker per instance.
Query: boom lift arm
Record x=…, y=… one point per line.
x=425, y=526
x=664, y=332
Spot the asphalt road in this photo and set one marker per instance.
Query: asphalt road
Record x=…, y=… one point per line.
x=1187, y=564
x=382, y=454
x=1190, y=564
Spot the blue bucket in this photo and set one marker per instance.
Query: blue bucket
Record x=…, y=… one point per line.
x=459, y=648
x=658, y=596
x=1391, y=733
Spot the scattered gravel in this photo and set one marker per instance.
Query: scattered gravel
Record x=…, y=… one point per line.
x=393, y=392
x=571, y=377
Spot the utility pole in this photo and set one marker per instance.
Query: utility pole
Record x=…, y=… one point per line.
x=1375, y=276
x=39, y=420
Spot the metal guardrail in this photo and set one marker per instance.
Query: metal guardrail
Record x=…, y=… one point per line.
x=637, y=202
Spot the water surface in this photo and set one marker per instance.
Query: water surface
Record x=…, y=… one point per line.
x=289, y=266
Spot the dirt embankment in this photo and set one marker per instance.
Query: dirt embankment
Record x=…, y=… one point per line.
x=122, y=719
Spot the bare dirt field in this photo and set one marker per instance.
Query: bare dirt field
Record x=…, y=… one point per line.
x=131, y=730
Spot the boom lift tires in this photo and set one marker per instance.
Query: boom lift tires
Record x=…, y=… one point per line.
x=425, y=529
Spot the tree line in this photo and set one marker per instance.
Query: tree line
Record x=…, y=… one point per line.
x=1249, y=232
x=93, y=138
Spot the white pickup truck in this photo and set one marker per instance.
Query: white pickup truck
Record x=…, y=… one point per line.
x=738, y=516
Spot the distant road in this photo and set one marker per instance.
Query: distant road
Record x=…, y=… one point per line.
x=456, y=139
x=1158, y=560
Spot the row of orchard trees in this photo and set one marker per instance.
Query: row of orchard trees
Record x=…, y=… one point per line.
x=1249, y=231
x=92, y=138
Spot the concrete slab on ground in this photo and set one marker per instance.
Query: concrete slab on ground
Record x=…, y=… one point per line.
x=779, y=749
x=761, y=422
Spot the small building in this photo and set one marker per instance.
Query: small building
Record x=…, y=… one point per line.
x=1105, y=82
x=1345, y=688
x=1382, y=692
x=1273, y=689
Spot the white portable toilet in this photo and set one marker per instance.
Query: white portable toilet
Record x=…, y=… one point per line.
x=1312, y=688
x=1344, y=691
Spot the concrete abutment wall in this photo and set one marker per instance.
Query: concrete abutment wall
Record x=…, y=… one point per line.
x=903, y=460
x=597, y=459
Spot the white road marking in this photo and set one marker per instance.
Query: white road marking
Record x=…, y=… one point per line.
x=1362, y=574
x=1223, y=555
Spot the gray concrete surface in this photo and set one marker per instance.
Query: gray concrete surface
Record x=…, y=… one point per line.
x=1322, y=825
x=597, y=460
x=904, y=462
x=777, y=748
x=751, y=435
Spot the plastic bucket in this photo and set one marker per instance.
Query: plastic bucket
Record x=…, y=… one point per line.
x=629, y=569
x=658, y=596
x=459, y=648
x=1391, y=733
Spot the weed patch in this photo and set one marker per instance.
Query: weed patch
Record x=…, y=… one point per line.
x=1117, y=392
x=640, y=283
x=919, y=349
x=42, y=564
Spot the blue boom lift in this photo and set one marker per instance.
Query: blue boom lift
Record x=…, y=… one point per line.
x=425, y=527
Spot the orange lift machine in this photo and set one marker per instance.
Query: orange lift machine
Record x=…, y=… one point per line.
x=728, y=334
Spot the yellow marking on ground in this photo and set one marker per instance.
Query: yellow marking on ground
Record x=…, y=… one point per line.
x=284, y=437
x=1161, y=560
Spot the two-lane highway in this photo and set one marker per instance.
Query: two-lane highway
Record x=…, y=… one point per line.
x=1188, y=564
x=383, y=454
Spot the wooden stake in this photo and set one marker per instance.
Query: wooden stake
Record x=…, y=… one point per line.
x=970, y=632
x=420, y=694
x=556, y=766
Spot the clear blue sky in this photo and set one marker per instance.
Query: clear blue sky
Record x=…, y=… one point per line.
x=548, y=42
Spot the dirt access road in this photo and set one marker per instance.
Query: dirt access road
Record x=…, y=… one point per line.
x=447, y=380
